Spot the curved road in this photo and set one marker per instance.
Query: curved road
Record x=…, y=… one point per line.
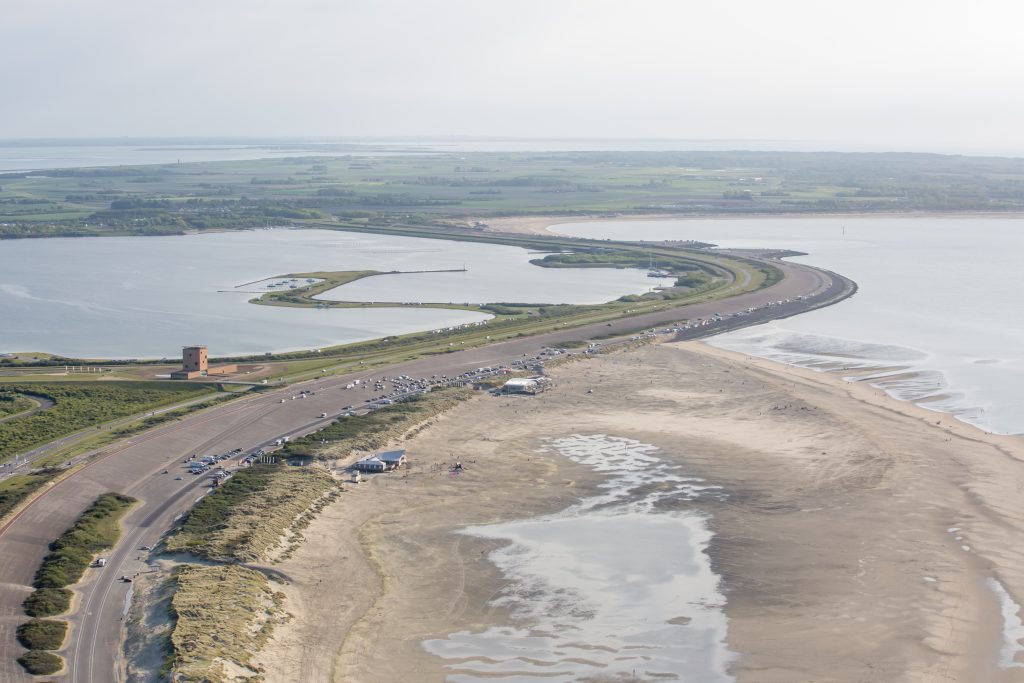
x=134, y=467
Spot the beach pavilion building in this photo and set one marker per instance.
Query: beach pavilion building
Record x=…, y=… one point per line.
x=526, y=385
x=383, y=462
x=393, y=459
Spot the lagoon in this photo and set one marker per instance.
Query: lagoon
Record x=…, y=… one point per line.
x=146, y=297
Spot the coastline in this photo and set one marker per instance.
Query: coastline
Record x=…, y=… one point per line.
x=541, y=225
x=833, y=536
x=964, y=413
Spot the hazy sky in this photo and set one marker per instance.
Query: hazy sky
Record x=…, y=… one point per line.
x=903, y=74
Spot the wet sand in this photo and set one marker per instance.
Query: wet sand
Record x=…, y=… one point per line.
x=857, y=539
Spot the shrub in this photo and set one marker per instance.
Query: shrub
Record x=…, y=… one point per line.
x=42, y=634
x=47, y=602
x=70, y=555
x=41, y=662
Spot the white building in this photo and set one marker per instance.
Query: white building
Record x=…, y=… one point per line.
x=371, y=464
x=393, y=459
x=383, y=462
x=526, y=385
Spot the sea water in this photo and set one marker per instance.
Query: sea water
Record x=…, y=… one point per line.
x=613, y=587
x=938, y=315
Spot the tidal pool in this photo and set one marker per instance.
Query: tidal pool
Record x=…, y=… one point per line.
x=613, y=586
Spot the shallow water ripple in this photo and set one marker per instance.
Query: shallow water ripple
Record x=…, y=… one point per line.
x=611, y=587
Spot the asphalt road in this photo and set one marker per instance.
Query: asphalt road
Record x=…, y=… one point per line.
x=134, y=467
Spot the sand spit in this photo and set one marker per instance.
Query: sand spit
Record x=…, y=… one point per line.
x=857, y=537
x=541, y=225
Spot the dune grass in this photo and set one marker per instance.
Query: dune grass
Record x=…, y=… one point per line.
x=249, y=514
x=221, y=613
x=377, y=428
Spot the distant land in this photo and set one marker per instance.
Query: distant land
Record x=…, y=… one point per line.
x=377, y=185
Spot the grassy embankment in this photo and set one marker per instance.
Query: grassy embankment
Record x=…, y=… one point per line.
x=225, y=612
x=703, y=277
x=97, y=529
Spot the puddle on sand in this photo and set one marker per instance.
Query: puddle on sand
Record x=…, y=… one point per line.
x=610, y=588
x=1013, y=627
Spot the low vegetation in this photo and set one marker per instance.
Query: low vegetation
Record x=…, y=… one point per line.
x=221, y=614
x=250, y=513
x=18, y=487
x=13, y=403
x=42, y=634
x=231, y=195
x=607, y=257
x=304, y=294
x=97, y=529
x=171, y=415
x=41, y=662
x=377, y=428
x=79, y=405
x=47, y=602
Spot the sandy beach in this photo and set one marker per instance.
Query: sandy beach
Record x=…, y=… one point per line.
x=856, y=537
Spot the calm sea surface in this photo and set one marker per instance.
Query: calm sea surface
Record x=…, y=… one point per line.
x=19, y=158
x=940, y=305
x=34, y=157
x=145, y=297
